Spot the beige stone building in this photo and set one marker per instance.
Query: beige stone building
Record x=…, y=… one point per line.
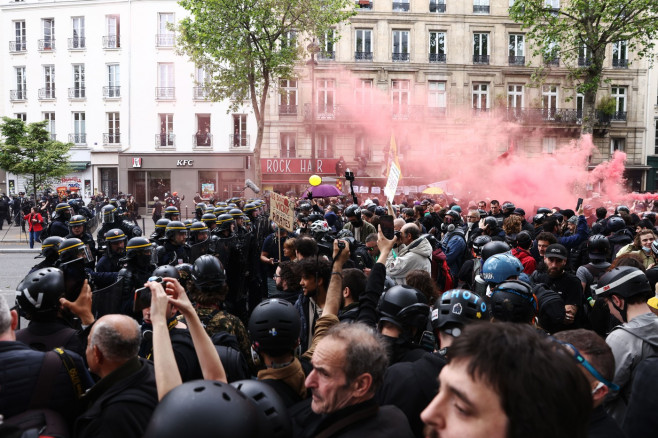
x=437, y=72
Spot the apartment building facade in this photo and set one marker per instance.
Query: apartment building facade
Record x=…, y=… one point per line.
x=106, y=76
x=438, y=70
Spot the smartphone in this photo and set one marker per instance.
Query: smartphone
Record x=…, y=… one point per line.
x=579, y=204
x=386, y=224
x=143, y=296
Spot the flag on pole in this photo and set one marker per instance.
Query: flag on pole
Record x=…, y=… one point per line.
x=392, y=156
x=339, y=184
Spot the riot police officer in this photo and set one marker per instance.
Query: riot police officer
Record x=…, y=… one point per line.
x=115, y=250
x=61, y=216
x=137, y=270
x=78, y=229
x=172, y=213
x=199, y=240
x=49, y=252
x=111, y=220
x=174, y=250
x=157, y=236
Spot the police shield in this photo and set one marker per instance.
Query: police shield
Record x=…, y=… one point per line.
x=107, y=300
x=225, y=249
x=199, y=249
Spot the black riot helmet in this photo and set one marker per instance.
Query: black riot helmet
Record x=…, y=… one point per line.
x=140, y=251
x=274, y=327
x=224, y=222
x=456, y=308
x=112, y=236
x=615, y=223
x=236, y=213
x=491, y=221
x=479, y=242
x=184, y=275
x=166, y=271
x=62, y=212
x=353, y=211
x=71, y=249
x=39, y=293
x=513, y=301
x=76, y=221
x=50, y=247
x=204, y=408
x=208, y=274
x=208, y=219
x=171, y=213
x=110, y=214
x=198, y=232
x=174, y=228
x=405, y=307
x=201, y=208
x=493, y=248
x=598, y=247
x=275, y=419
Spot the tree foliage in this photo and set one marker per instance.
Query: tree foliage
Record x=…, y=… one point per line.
x=244, y=46
x=28, y=150
x=584, y=28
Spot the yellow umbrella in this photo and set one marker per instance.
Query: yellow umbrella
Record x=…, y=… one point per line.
x=433, y=191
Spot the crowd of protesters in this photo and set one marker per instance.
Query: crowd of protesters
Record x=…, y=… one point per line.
x=426, y=317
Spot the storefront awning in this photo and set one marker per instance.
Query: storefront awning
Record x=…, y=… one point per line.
x=79, y=166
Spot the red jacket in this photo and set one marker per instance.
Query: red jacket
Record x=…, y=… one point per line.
x=37, y=223
x=527, y=260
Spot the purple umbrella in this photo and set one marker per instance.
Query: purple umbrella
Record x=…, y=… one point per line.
x=322, y=191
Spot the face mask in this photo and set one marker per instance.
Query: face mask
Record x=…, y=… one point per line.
x=646, y=250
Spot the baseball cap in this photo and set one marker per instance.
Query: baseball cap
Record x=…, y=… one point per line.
x=556, y=250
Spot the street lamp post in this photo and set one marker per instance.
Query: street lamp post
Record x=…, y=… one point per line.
x=313, y=48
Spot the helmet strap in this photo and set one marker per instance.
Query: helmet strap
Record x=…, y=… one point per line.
x=622, y=311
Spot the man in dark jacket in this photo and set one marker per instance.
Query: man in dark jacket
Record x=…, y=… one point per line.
x=349, y=365
x=122, y=402
x=21, y=384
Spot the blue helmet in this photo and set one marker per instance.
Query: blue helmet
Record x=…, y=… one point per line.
x=500, y=267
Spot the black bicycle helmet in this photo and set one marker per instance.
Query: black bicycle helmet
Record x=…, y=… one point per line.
x=39, y=293
x=274, y=327
x=275, y=419
x=493, y=248
x=513, y=301
x=458, y=307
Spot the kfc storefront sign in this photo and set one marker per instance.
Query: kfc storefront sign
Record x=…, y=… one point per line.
x=297, y=165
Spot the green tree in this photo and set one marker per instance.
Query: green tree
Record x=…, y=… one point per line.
x=246, y=46
x=28, y=150
x=573, y=29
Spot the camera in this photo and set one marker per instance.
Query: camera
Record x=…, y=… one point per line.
x=349, y=176
x=397, y=234
x=341, y=244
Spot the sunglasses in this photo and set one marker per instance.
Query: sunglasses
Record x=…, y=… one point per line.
x=588, y=366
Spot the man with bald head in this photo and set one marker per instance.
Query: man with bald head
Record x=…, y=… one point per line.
x=414, y=253
x=122, y=401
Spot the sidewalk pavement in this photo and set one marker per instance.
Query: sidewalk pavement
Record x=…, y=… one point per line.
x=13, y=239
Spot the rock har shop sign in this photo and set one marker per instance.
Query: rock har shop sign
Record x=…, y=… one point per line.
x=282, y=166
x=74, y=184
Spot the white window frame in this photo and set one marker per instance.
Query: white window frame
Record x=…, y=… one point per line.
x=617, y=144
x=79, y=123
x=288, y=92
x=515, y=96
x=49, y=80
x=288, y=143
x=479, y=48
x=436, y=94
x=440, y=47
x=78, y=79
x=48, y=32
x=363, y=91
x=165, y=36
x=516, y=46
x=166, y=75
x=549, y=145
x=49, y=116
x=78, y=32
x=21, y=80
x=478, y=91
x=113, y=26
x=550, y=98
x=20, y=34
x=366, y=40
x=324, y=145
x=620, y=94
x=400, y=95
x=326, y=95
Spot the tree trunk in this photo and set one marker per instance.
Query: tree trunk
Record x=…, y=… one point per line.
x=592, y=80
x=589, y=112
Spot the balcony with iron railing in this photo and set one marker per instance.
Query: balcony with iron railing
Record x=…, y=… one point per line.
x=240, y=141
x=619, y=63
x=202, y=140
x=77, y=43
x=619, y=116
x=400, y=57
x=165, y=93
x=480, y=59
x=438, y=57
x=112, y=92
x=18, y=95
x=323, y=112
x=287, y=110
x=439, y=7
x=165, y=40
x=78, y=138
x=363, y=56
x=17, y=46
x=551, y=61
x=111, y=138
x=200, y=93
x=327, y=56
x=584, y=61
x=77, y=93
x=517, y=60
x=46, y=45
x=400, y=6
x=364, y=4
x=544, y=115
x=111, y=42
x=481, y=9
x=165, y=140
x=47, y=93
